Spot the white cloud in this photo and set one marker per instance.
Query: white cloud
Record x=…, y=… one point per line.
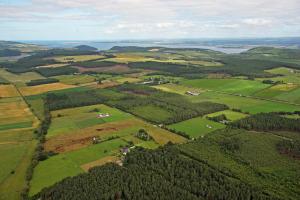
x=257, y=21
x=160, y=17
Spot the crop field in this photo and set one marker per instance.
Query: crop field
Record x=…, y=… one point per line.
x=16, y=145
x=16, y=115
x=39, y=89
x=8, y=91
x=232, y=86
x=284, y=92
x=197, y=127
x=79, y=58
x=23, y=77
x=75, y=79
x=14, y=162
x=231, y=115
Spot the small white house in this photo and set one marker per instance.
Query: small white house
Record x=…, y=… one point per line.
x=103, y=115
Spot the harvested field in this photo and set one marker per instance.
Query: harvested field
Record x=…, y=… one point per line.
x=99, y=162
x=82, y=138
x=39, y=89
x=22, y=77
x=8, y=91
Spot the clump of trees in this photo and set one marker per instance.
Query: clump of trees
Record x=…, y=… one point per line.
x=290, y=148
x=231, y=144
x=143, y=135
x=41, y=81
x=9, y=52
x=48, y=71
x=218, y=118
x=268, y=122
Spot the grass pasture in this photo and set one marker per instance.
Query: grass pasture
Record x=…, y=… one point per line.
x=284, y=92
x=231, y=115
x=39, y=89
x=287, y=75
x=176, y=88
x=246, y=104
x=75, y=79
x=73, y=119
x=8, y=91
x=197, y=127
x=232, y=86
x=68, y=164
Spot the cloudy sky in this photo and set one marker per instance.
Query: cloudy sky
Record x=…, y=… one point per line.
x=147, y=19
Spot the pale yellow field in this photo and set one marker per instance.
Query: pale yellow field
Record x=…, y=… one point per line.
x=80, y=58
x=23, y=77
x=162, y=136
x=126, y=58
x=39, y=89
x=99, y=162
x=284, y=87
x=17, y=111
x=128, y=79
x=52, y=66
x=8, y=91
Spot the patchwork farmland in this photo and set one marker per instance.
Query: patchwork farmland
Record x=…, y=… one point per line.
x=150, y=117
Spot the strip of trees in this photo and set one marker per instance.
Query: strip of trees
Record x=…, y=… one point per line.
x=268, y=122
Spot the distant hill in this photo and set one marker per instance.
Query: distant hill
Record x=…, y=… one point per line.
x=85, y=48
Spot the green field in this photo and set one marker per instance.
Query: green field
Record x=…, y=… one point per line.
x=68, y=164
x=67, y=120
x=16, y=125
x=231, y=115
x=197, y=127
x=246, y=104
x=175, y=88
x=287, y=75
x=16, y=148
x=152, y=112
x=75, y=79
x=232, y=86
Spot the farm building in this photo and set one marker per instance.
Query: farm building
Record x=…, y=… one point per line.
x=103, y=115
x=192, y=93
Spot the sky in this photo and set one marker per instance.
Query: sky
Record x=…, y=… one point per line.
x=147, y=19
